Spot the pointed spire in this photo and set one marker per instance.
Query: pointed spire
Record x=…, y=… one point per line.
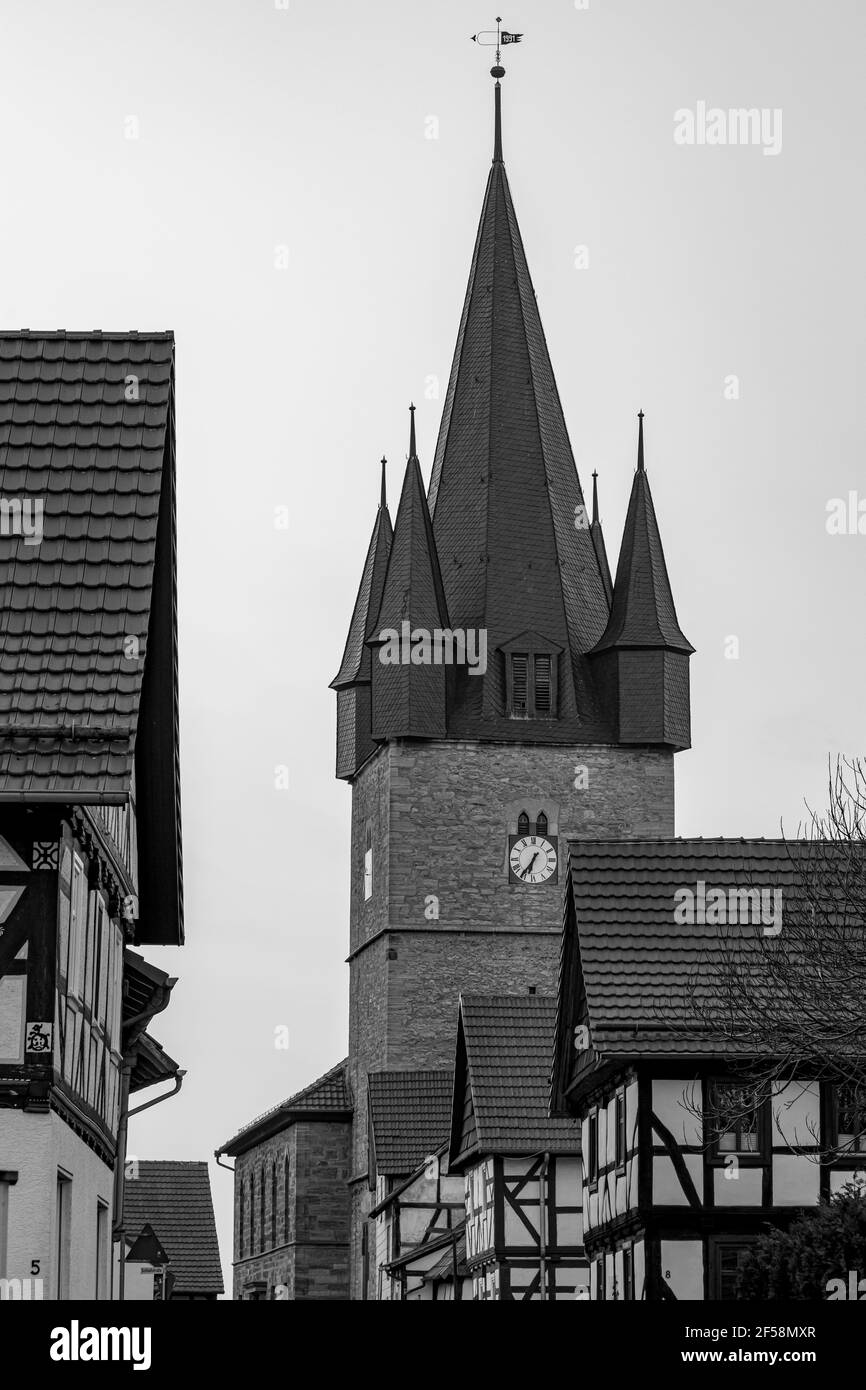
x=642, y=612
x=598, y=541
x=409, y=698
x=504, y=492
x=412, y=451
x=383, y=498
x=355, y=665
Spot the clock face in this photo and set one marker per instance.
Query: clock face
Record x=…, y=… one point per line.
x=532, y=859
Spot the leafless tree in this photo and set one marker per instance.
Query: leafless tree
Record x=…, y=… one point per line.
x=790, y=1008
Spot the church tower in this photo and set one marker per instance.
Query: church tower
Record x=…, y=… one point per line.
x=468, y=777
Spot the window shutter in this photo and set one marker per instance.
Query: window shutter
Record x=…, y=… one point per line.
x=519, y=665
x=542, y=685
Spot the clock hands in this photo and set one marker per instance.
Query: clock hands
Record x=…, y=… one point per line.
x=530, y=864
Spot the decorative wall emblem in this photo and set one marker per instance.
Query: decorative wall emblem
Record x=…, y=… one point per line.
x=46, y=854
x=39, y=1038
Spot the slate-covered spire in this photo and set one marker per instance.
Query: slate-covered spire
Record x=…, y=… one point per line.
x=409, y=691
x=504, y=493
x=352, y=681
x=598, y=541
x=642, y=657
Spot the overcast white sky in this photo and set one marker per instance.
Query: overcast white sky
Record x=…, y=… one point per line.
x=306, y=128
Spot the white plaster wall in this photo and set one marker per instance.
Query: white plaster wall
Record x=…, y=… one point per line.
x=683, y=1267
x=36, y=1146
x=671, y=1101
x=667, y=1188
x=796, y=1114
x=745, y=1190
x=795, y=1180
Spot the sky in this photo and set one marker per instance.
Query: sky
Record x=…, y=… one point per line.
x=294, y=190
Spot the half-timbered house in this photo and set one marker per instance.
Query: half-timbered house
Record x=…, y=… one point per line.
x=90, y=859
x=687, y=1158
x=416, y=1202
x=521, y=1167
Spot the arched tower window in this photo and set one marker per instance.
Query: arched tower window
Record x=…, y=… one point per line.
x=286, y=1199
x=274, y=1204
x=242, y=1214
x=523, y=824
x=253, y=1212
x=541, y=824
x=262, y=1208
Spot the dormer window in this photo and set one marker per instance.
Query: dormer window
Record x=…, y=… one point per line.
x=531, y=677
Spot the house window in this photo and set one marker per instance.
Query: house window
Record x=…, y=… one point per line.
x=849, y=1114
x=735, y=1119
x=62, y=1233
x=368, y=862
x=101, y=1250
x=726, y=1260
x=619, y=1128
x=592, y=1146
x=628, y=1273
x=532, y=678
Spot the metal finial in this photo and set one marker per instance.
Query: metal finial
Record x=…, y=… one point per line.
x=640, y=466
x=412, y=453
x=497, y=39
x=383, y=501
x=594, y=496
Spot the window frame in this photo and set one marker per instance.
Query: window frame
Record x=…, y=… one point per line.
x=620, y=1135
x=532, y=684
x=592, y=1139
x=716, y=1245
x=754, y=1158
x=856, y=1156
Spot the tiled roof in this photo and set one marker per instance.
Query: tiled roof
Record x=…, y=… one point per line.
x=152, y=1064
x=175, y=1199
x=409, y=1114
x=88, y=672
x=70, y=438
x=644, y=973
x=504, y=1054
x=642, y=611
x=327, y=1097
x=504, y=493
x=444, y=1269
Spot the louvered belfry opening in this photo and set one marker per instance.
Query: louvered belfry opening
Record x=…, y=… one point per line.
x=520, y=686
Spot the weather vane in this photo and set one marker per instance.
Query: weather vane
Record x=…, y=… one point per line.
x=496, y=39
